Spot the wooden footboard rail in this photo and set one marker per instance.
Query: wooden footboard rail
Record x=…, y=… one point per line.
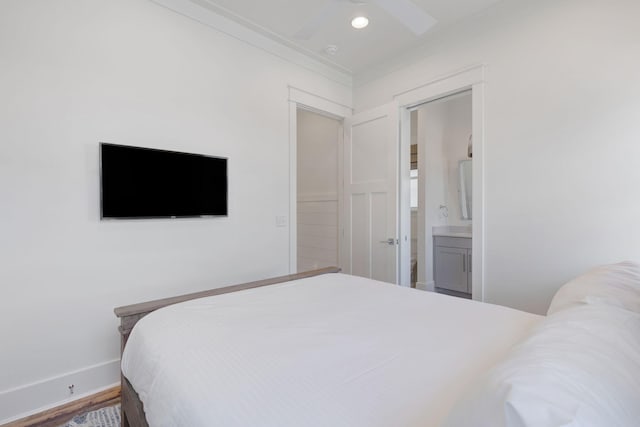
x=132, y=410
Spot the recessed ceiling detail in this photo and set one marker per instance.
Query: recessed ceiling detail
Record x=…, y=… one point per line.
x=309, y=26
x=406, y=12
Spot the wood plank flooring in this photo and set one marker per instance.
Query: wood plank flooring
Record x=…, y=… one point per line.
x=61, y=414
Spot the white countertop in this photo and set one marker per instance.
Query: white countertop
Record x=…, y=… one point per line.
x=462, y=235
x=461, y=231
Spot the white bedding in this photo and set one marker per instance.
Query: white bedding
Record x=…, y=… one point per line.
x=580, y=367
x=331, y=350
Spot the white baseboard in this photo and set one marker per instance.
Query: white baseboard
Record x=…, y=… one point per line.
x=428, y=286
x=36, y=397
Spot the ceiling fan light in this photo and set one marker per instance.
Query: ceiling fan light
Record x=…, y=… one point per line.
x=359, y=22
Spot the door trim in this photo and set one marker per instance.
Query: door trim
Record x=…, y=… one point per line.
x=301, y=99
x=470, y=78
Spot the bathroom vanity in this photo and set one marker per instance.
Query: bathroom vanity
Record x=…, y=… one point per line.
x=452, y=261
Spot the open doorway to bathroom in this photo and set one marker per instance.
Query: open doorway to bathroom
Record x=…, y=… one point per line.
x=441, y=196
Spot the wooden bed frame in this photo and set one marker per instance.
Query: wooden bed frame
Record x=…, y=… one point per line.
x=132, y=411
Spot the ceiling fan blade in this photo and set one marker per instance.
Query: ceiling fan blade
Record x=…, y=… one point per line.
x=317, y=21
x=409, y=14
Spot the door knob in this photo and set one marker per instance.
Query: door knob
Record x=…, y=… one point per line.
x=390, y=241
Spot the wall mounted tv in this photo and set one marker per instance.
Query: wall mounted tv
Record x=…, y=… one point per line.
x=138, y=183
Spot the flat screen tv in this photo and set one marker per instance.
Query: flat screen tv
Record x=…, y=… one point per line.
x=139, y=183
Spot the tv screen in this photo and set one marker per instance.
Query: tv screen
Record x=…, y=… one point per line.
x=148, y=183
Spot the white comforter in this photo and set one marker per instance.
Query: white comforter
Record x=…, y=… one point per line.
x=332, y=350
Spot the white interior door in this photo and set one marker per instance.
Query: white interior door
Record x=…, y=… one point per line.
x=371, y=148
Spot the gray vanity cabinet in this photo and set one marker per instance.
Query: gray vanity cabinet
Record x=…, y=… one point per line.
x=452, y=265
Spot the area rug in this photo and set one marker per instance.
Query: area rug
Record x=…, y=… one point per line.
x=103, y=417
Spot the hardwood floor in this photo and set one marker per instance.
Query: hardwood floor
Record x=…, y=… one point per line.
x=61, y=414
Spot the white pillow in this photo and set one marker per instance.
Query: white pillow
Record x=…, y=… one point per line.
x=615, y=284
x=580, y=367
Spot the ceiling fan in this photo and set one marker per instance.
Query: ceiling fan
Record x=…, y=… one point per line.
x=405, y=11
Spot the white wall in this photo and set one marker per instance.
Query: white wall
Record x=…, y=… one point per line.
x=77, y=72
x=414, y=208
x=562, y=124
x=431, y=188
x=457, y=128
x=317, y=159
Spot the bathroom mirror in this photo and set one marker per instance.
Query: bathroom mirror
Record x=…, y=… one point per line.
x=466, y=188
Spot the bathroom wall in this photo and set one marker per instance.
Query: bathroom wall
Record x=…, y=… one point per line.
x=432, y=194
x=414, y=211
x=457, y=129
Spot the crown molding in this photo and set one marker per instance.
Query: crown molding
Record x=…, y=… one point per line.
x=260, y=38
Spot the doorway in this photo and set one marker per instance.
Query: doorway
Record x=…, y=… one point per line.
x=319, y=138
x=303, y=101
x=468, y=79
x=382, y=196
x=441, y=220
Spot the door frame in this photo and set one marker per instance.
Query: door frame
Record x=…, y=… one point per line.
x=468, y=79
x=301, y=99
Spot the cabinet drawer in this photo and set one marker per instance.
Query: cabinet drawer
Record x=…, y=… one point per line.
x=453, y=242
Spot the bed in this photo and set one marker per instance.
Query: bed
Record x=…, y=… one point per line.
x=317, y=349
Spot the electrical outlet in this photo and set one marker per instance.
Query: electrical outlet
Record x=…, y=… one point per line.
x=71, y=388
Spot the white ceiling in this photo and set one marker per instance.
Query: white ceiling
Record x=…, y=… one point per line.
x=384, y=38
